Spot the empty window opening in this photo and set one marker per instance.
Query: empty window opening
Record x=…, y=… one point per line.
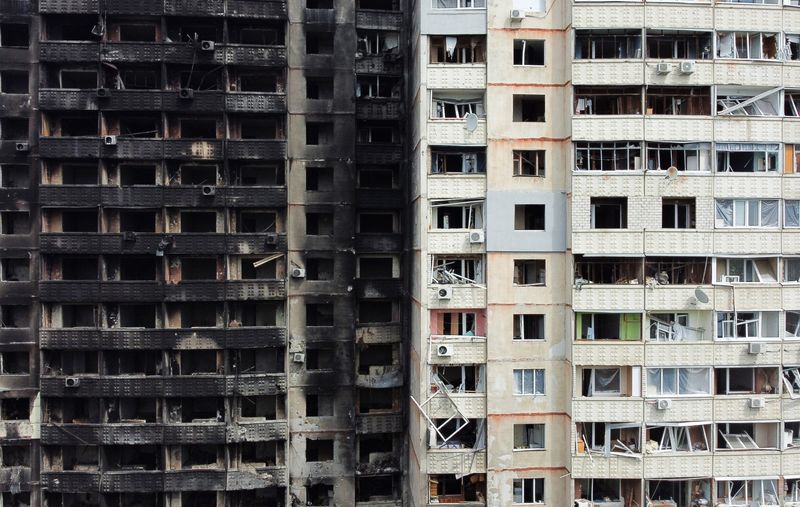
x=449, y=215
x=134, y=268
x=320, y=359
x=459, y=379
x=376, y=359
x=257, y=222
x=14, y=363
x=375, y=267
x=679, y=45
x=199, y=361
x=140, y=127
x=744, y=436
x=529, y=272
x=15, y=455
x=134, y=79
x=747, y=158
x=380, y=5
x=678, y=101
x=375, y=312
x=375, y=449
x=446, y=269
x=14, y=176
x=78, y=126
x=528, y=108
x=609, y=270
x=75, y=268
x=528, y=436
x=458, y=49
x=318, y=133
x=678, y=213
x=528, y=52
x=77, y=79
x=70, y=362
x=457, y=160
x=77, y=316
x=130, y=175
x=198, y=498
x=137, y=316
x=319, y=494
x=197, y=314
x=256, y=82
x=259, y=128
x=198, y=268
x=79, y=174
x=377, y=400
x=247, y=361
x=529, y=163
x=681, y=156
x=15, y=270
x=529, y=217
x=14, y=35
x=74, y=221
x=264, y=407
x=15, y=222
x=456, y=324
x=15, y=409
x=260, y=268
x=198, y=456
x=13, y=81
x=607, y=100
x=319, y=224
x=132, y=457
x=197, y=78
x=319, y=179
x=607, y=44
x=319, y=4
x=456, y=105
x=137, y=221
x=319, y=314
x=377, y=42
x=382, y=87
x=746, y=380
x=194, y=174
x=319, y=450
x=319, y=43
x=137, y=32
x=131, y=362
x=193, y=29
x=260, y=314
x=319, y=87
x=382, y=178
x=528, y=327
x=609, y=212
x=257, y=36
x=198, y=221
x=319, y=405
x=452, y=489
x=376, y=223
x=14, y=129
x=378, y=134
x=261, y=454
x=198, y=128
x=258, y=175
x=197, y=410
x=318, y=268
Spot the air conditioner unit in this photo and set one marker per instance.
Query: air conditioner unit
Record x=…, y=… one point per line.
x=756, y=348
x=110, y=140
x=663, y=68
x=444, y=350
x=271, y=239
x=22, y=147
x=687, y=67
x=72, y=382
x=186, y=93
x=207, y=45
x=758, y=403
x=298, y=273
x=444, y=292
x=102, y=92
x=517, y=15
x=664, y=404
x=299, y=357
x=209, y=190
x=477, y=236
x=730, y=278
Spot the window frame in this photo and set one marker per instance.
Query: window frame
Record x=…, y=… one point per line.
x=536, y=389
x=534, y=481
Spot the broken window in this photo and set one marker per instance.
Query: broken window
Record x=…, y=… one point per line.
x=529, y=272
x=377, y=134
x=620, y=439
x=459, y=4
x=737, y=101
x=528, y=491
x=319, y=405
x=747, y=325
x=376, y=268
x=446, y=269
x=746, y=380
x=748, y=491
x=459, y=378
x=678, y=100
x=15, y=222
x=453, y=105
x=597, y=100
x=318, y=133
x=747, y=45
x=747, y=436
x=381, y=87
x=133, y=78
x=678, y=437
x=457, y=214
x=528, y=52
x=607, y=270
x=679, y=45
x=529, y=163
x=14, y=176
x=376, y=312
x=319, y=87
x=452, y=489
x=81, y=79
x=377, y=223
x=454, y=323
x=15, y=409
x=14, y=129
x=736, y=270
x=681, y=156
x=529, y=217
x=528, y=327
x=678, y=381
x=319, y=179
x=319, y=314
x=609, y=212
x=14, y=362
x=747, y=158
x=459, y=49
x=14, y=35
x=377, y=177
x=257, y=175
x=607, y=44
x=528, y=108
x=319, y=43
x=528, y=436
x=609, y=156
x=319, y=450
x=457, y=160
x=678, y=213
x=678, y=270
x=13, y=81
x=377, y=42
x=529, y=381
x=747, y=213
x=608, y=326
x=319, y=224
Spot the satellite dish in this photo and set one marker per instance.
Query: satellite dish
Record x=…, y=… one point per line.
x=672, y=173
x=700, y=295
x=471, y=122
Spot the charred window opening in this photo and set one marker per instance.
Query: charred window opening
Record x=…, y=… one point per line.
x=14, y=362
x=15, y=316
x=79, y=410
x=256, y=314
x=377, y=400
x=136, y=268
x=377, y=42
x=13, y=129
x=80, y=79
x=609, y=212
x=14, y=176
x=198, y=221
x=375, y=268
x=79, y=221
x=319, y=314
x=14, y=35
x=79, y=174
x=192, y=362
x=377, y=223
x=528, y=108
x=257, y=221
x=319, y=43
x=375, y=312
x=258, y=175
x=678, y=213
x=15, y=222
x=205, y=409
x=320, y=359
x=377, y=448
x=319, y=4
x=256, y=35
x=137, y=316
x=198, y=174
x=377, y=488
x=141, y=127
x=607, y=100
x=15, y=455
x=199, y=498
x=131, y=362
x=529, y=272
x=381, y=5
x=123, y=410
x=318, y=133
x=319, y=224
x=377, y=134
x=248, y=361
x=197, y=314
x=198, y=268
x=201, y=78
x=458, y=49
x=15, y=409
x=137, y=174
x=197, y=128
x=20, y=499
x=193, y=30
x=528, y=52
x=260, y=454
x=77, y=316
x=137, y=32
x=256, y=81
x=608, y=270
x=319, y=87
x=136, y=78
x=319, y=450
x=319, y=495
x=260, y=128
x=529, y=217
x=376, y=358
x=198, y=456
x=377, y=177
x=318, y=268
x=70, y=362
x=319, y=179
x=378, y=87
x=131, y=457
x=268, y=408
x=76, y=126
x=74, y=268
x=319, y=405
x=13, y=81
x=72, y=28
x=258, y=268
x=15, y=270
x=137, y=221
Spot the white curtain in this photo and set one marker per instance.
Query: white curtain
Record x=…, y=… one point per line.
x=694, y=381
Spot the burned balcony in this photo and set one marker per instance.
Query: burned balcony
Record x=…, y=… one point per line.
x=378, y=97
x=596, y=492
x=695, y=101
x=682, y=156
x=458, y=49
x=608, y=156
x=608, y=44
x=608, y=326
x=378, y=365
x=378, y=454
x=378, y=401
x=611, y=100
x=733, y=381
x=469, y=489
x=256, y=34
x=256, y=138
x=679, y=45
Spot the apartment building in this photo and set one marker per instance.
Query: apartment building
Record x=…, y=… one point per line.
x=202, y=253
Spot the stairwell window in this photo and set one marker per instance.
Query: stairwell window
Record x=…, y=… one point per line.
x=529, y=52
x=529, y=491
x=529, y=163
x=528, y=436
x=529, y=381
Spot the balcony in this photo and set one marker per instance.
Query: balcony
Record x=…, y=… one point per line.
x=663, y=465
x=745, y=463
x=178, y=243
x=379, y=288
x=610, y=467
x=607, y=128
x=470, y=405
x=599, y=409
x=378, y=333
x=379, y=109
x=153, y=196
x=379, y=423
x=456, y=461
x=665, y=354
x=460, y=296
x=608, y=352
x=607, y=242
x=380, y=198
x=598, y=297
x=379, y=19
x=464, y=349
x=471, y=76
x=611, y=72
x=379, y=64
x=454, y=132
x=379, y=243
x=68, y=6
x=461, y=186
x=737, y=408
x=444, y=241
x=376, y=153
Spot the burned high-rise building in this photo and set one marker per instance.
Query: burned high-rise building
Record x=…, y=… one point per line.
x=201, y=252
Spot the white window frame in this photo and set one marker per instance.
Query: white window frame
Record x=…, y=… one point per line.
x=609, y=393
x=522, y=488
x=677, y=388
x=743, y=205
x=749, y=485
x=519, y=385
x=751, y=47
x=730, y=325
x=520, y=321
x=463, y=107
x=543, y=437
